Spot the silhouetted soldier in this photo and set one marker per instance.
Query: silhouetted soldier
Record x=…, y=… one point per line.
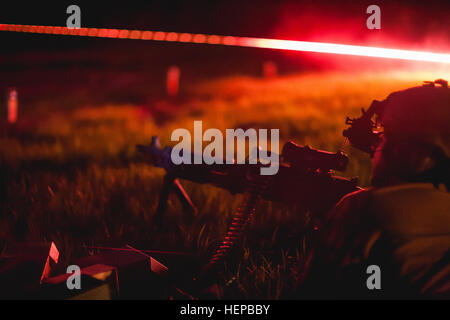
x=402, y=223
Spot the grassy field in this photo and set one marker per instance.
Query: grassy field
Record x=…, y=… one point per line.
x=73, y=176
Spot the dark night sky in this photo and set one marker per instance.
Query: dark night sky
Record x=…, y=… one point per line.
x=406, y=21
x=61, y=60
x=79, y=70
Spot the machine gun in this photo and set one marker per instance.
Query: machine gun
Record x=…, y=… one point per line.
x=304, y=178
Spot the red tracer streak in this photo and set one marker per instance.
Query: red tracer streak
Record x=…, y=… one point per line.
x=236, y=41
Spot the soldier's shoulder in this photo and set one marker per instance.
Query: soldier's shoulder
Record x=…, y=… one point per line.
x=412, y=209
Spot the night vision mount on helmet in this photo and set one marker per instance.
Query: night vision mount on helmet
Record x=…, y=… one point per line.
x=418, y=112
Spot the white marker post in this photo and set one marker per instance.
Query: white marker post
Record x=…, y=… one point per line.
x=173, y=81
x=13, y=106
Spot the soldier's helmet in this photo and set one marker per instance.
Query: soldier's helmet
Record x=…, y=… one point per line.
x=419, y=114
x=416, y=135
